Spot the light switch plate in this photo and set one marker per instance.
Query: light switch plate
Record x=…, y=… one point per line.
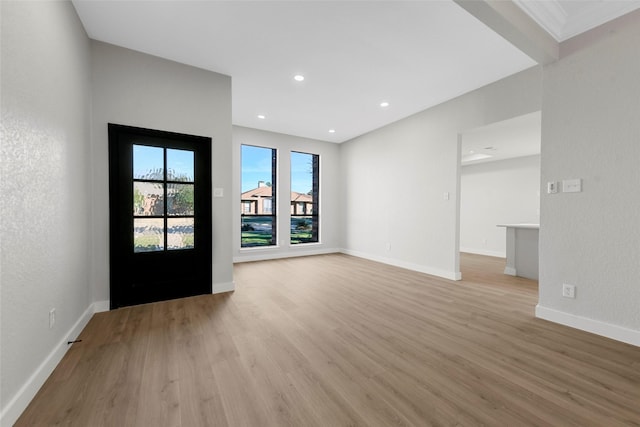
x=218, y=192
x=572, y=185
x=552, y=187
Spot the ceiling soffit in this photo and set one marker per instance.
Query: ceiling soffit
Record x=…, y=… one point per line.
x=564, y=19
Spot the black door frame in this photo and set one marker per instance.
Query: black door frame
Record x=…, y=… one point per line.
x=125, y=287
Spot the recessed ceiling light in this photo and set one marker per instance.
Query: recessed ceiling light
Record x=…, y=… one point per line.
x=298, y=77
x=332, y=131
x=472, y=157
x=261, y=116
x=384, y=104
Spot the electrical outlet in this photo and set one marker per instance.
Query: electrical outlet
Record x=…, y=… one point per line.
x=568, y=291
x=52, y=318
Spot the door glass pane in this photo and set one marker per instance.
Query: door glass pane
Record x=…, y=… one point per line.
x=180, y=165
x=180, y=233
x=148, y=199
x=148, y=234
x=148, y=162
x=179, y=199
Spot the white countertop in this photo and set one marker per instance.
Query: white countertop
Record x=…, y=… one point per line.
x=524, y=225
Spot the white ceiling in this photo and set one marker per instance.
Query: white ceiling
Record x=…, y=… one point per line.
x=353, y=54
x=516, y=137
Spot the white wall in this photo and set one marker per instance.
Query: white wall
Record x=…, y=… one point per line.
x=499, y=192
x=590, y=130
x=330, y=188
x=45, y=211
x=132, y=88
x=395, y=178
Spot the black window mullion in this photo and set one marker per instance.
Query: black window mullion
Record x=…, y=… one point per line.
x=274, y=192
x=166, y=200
x=315, y=198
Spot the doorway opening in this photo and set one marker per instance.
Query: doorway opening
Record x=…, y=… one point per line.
x=499, y=183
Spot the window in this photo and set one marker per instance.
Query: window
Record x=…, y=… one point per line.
x=305, y=195
x=266, y=206
x=159, y=175
x=258, y=166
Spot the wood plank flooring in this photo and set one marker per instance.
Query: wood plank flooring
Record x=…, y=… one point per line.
x=335, y=340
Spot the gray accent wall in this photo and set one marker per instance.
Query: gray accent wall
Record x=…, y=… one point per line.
x=135, y=89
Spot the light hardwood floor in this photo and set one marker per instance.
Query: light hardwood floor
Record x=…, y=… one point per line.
x=335, y=340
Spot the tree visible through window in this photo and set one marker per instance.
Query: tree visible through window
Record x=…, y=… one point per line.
x=305, y=195
x=163, y=203
x=258, y=197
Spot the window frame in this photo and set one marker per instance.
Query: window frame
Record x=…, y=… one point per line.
x=315, y=202
x=274, y=202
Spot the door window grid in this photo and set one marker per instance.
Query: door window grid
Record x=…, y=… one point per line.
x=163, y=199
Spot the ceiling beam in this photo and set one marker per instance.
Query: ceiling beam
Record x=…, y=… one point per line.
x=512, y=23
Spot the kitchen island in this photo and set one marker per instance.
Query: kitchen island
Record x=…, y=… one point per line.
x=522, y=250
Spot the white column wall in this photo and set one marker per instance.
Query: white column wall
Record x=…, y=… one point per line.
x=591, y=131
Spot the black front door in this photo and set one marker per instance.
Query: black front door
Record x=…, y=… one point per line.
x=160, y=215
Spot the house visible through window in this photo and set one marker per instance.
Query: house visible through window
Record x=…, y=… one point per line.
x=258, y=166
x=163, y=176
x=305, y=195
x=266, y=206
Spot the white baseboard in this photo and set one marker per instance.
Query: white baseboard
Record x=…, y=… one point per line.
x=14, y=408
x=615, y=332
x=497, y=254
x=451, y=275
x=100, y=306
x=218, y=288
x=510, y=271
x=271, y=254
